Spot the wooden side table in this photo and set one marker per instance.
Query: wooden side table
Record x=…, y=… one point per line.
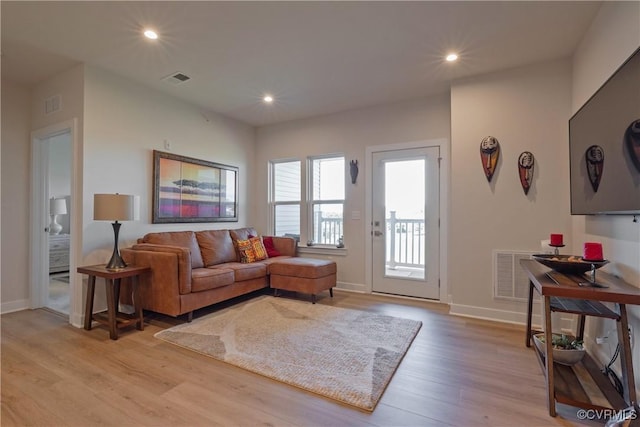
x=583, y=384
x=114, y=319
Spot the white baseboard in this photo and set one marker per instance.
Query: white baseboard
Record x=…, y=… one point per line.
x=514, y=317
x=355, y=287
x=11, y=306
x=350, y=290
x=492, y=314
x=77, y=320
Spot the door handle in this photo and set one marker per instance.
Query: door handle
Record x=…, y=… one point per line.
x=377, y=233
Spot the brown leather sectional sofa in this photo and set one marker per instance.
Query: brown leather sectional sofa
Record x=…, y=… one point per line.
x=191, y=270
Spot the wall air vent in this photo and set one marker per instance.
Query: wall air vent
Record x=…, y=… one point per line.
x=509, y=279
x=177, y=78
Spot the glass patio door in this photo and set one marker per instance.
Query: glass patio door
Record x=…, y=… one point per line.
x=405, y=227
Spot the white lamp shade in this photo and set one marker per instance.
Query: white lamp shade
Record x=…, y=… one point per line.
x=57, y=206
x=115, y=207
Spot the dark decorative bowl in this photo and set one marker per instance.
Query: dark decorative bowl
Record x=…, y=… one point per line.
x=568, y=264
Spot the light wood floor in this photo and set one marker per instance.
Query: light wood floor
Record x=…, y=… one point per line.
x=458, y=372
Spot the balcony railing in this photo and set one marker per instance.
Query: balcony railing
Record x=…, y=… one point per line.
x=405, y=242
x=328, y=230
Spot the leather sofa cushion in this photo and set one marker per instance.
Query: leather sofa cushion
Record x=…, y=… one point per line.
x=185, y=239
x=270, y=261
x=243, y=233
x=244, y=271
x=216, y=247
x=203, y=279
x=310, y=268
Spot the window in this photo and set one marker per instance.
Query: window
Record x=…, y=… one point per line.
x=320, y=218
x=286, y=184
x=327, y=199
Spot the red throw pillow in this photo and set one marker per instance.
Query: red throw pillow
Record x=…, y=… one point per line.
x=271, y=249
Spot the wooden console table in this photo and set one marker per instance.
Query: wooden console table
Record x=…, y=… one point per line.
x=582, y=385
x=114, y=319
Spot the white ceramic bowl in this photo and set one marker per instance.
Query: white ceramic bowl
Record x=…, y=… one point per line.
x=564, y=357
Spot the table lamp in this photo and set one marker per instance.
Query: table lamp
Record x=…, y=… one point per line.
x=115, y=207
x=56, y=207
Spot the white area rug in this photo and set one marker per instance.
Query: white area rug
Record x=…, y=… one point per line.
x=347, y=355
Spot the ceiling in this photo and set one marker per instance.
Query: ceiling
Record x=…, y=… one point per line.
x=315, y=58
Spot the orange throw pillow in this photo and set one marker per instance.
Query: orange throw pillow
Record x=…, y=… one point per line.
x=259, y=250
x=246, y=251
x=251, y=250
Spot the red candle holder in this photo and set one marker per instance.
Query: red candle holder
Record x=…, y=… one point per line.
x=556, y=242
x=592, y=252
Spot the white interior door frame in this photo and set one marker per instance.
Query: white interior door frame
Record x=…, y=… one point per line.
x=38, y=248
x=444, y=207
x=39, y=220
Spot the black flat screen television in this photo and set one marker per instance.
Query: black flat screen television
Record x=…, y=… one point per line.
x=604, y=146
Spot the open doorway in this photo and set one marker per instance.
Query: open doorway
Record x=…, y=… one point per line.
x=51, y=218
x=59, y=176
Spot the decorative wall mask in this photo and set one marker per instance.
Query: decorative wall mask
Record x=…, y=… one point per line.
x=595, y=165
x=353, y=169
x=525, y=170
x=489, y=154
x=632, y=140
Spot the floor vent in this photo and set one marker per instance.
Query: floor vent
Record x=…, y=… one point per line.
x=509, y=279
x=177, y=78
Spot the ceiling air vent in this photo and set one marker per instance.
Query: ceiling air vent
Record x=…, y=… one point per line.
x=177, y=78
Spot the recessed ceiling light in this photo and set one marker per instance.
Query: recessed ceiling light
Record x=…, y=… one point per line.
x=452, y=57
x=268, y=99
x=150, y=34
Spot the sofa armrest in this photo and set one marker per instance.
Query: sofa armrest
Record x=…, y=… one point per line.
x=285, y=245
x=168, y=265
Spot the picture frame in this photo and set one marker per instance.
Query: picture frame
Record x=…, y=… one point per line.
x=186, y=189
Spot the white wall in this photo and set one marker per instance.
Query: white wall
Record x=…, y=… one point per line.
x=16, y=109
x=69, y=86
x=612, y=37
x=526, y=109
x=124, y=123
x=349, y=132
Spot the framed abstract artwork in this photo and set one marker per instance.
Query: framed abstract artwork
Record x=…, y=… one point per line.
x=192, y=190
